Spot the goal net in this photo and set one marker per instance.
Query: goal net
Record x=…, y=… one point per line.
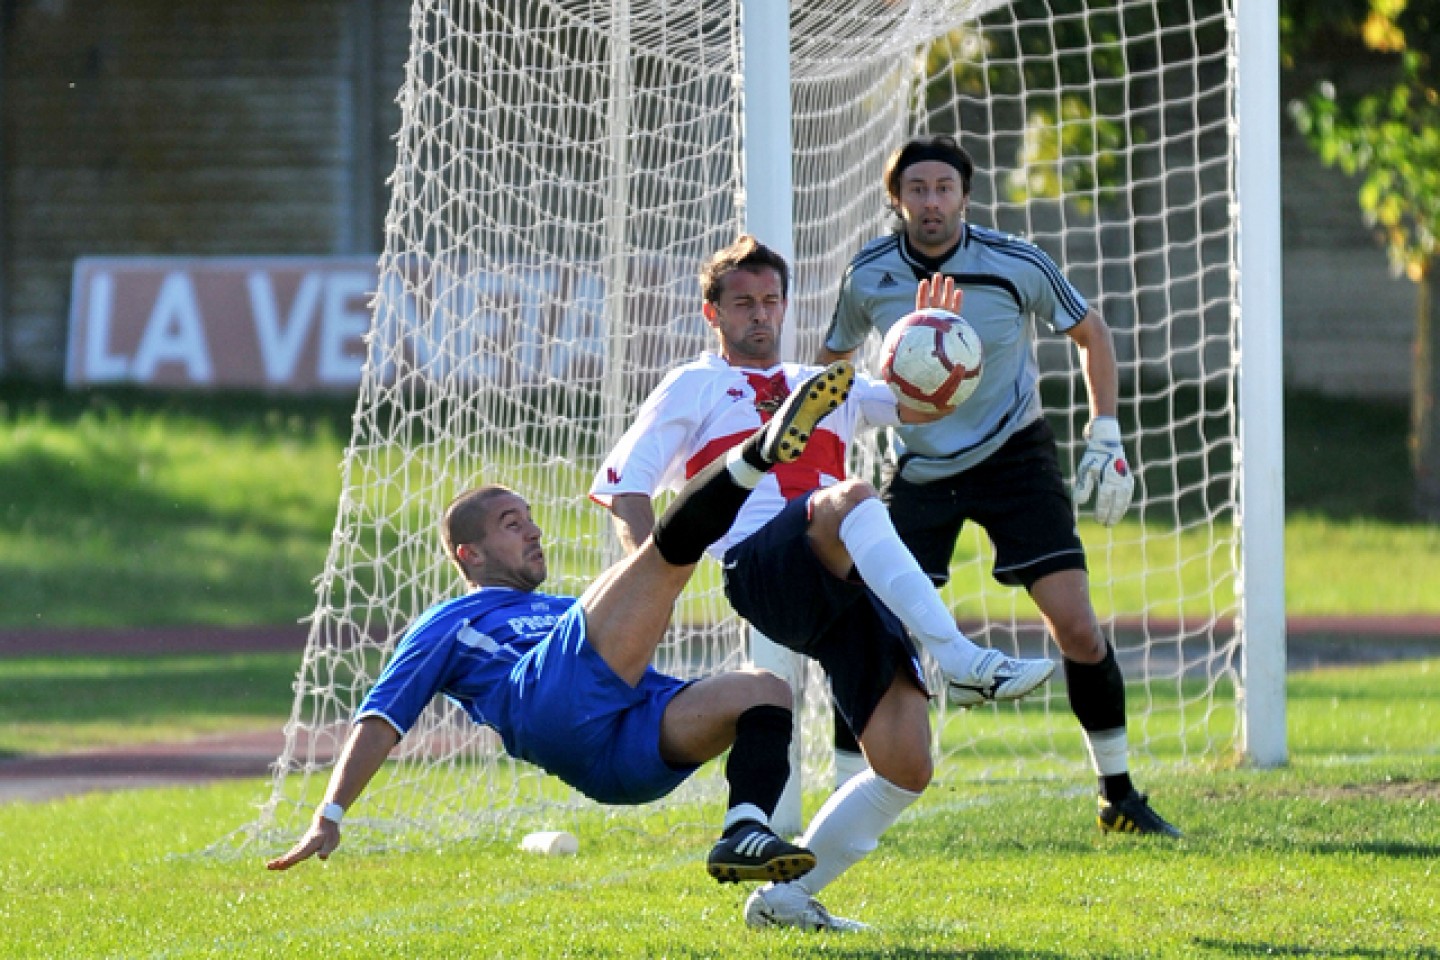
x=565, y=166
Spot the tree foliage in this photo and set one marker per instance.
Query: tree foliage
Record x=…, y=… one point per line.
x=1062, y=57
x=1388, y=136
x=1091, y=75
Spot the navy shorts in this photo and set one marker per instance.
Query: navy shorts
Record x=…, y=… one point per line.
x=776, y=582
x=1017, y=495
x=573, y=716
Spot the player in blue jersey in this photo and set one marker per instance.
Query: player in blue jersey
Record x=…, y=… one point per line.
x=568, y=684
x=993, y=459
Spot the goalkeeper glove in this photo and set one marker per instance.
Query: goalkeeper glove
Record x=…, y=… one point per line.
x=1104, y=466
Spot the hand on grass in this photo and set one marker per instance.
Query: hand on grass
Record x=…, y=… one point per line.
x=320, y=840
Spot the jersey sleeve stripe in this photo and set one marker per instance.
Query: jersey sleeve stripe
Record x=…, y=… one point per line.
x=874, y=250
x=1065, y=294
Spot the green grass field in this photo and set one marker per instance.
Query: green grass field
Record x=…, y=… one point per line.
x=1336, y=855
x=134, y=510
x=129, y=509
x=59, y=704
x=126, y=509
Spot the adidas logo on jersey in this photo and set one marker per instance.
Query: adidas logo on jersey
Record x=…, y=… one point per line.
x=887, y=280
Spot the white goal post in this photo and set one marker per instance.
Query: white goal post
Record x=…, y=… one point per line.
x=563, y=169
x=1261, y=477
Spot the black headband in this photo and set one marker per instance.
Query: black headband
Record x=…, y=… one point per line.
x=931, y=151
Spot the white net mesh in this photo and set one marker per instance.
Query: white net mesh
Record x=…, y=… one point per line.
x=565, y=167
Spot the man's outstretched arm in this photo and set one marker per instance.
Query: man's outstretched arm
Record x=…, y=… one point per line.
x=370, y=743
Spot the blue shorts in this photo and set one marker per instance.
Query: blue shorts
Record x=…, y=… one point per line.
x=573, y=716
x=776, y=582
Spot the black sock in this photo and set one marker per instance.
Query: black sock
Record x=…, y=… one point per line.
x=1097, y=692
x=699, y=515
x=1116, y=787
x=750, y=451
x=1097, y=696
x=759, y=762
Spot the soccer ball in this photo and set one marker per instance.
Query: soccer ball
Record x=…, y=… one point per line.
x=932, y=360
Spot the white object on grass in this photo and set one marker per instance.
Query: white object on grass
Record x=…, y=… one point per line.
x=551, y=843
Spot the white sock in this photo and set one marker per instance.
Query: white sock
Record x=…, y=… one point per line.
x=849, y=825
x=744, y=811
x=741, y=471
x=848, y=765
x=1109, y=751
x=888, y=568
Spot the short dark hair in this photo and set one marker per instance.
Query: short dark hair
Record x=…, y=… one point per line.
x=941, y=147
x=465, y=518
x=746, y=253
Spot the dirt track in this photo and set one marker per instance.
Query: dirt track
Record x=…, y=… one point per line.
x=1312, y=642
x=146, y=765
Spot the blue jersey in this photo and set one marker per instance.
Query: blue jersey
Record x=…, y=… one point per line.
x=520, y=663
x=465, y=648
x=1006, y=281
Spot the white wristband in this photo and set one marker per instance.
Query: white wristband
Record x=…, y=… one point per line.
x=332, y=812
x=1103, y=430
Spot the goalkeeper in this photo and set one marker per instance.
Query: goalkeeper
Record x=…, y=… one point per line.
x=568, y=684
x=993, y=459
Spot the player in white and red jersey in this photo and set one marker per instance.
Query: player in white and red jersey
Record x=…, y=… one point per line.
x=811, y=561
x=704, y=407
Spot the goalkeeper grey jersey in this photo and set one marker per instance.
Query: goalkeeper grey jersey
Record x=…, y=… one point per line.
x=1006, y=280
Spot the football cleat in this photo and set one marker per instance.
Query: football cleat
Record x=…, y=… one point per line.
x=994, y=677
x=787, y=906
x=788, y=431
x=753, y=852
x=1133, y=815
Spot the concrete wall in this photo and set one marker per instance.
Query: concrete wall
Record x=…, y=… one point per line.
x=1349, y=323
x=154, y=127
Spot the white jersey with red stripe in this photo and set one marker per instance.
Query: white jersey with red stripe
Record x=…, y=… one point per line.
x=705, y=407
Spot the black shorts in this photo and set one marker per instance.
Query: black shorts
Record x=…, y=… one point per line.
x=776, y=582
x=1017, y=495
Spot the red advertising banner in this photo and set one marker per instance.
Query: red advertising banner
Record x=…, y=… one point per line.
x=304, y=324
x=282, y=323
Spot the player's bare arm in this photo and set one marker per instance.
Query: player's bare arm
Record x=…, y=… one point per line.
x=1098, y=364
x=633, y=517
x=370, y=743
x=1103, y=470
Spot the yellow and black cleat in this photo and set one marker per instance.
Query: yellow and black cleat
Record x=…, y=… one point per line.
x=1133, y=814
